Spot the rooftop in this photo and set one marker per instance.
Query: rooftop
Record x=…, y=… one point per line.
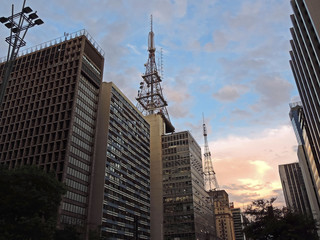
x=67, y=36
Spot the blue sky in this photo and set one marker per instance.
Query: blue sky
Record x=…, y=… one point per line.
x=227, y=59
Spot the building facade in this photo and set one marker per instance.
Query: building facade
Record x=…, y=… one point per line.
x=306, y=156
x=186, y=206
x=294, y=189
x=305, y=64
x=223, y=215
x=122, y=171
x=237, y=223
x=48, y=117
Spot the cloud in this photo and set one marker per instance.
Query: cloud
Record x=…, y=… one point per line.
x=230, y=93
x=273, y=91
x=248, y=166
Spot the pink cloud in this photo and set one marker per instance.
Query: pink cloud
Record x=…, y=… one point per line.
x=247, y=167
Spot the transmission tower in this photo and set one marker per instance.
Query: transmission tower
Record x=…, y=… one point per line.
x=210, y=180
x=150, y=98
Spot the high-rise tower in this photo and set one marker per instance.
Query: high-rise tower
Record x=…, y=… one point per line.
x=305, y=64
x=49, y=117
x=210, y=180
x=153, y=105
x=150, y=98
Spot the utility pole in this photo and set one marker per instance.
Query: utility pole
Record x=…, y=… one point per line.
x=18, y=23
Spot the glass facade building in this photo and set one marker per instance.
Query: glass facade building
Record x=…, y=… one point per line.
x=305, y=64
x=48, y=117
x=187, y=208
x=123, y=166
x=294, y=189
x=306, y=156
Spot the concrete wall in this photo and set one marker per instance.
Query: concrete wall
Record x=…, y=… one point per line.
x=157, y=129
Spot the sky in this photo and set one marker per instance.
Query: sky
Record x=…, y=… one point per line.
x=226, y=59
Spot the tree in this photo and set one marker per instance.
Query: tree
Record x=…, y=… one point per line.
x=268, y=222
x=29, y=202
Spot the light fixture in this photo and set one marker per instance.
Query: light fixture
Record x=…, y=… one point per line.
x=9, y=25
x=33, y=16
x=38, y=21
x=27, y=10
x=3, y=19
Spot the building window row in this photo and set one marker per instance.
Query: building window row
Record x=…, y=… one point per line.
x=79, y=164
x=83, y=124
x=73, y=208
x=80, y=153
x=83, y=134
x=77, y=174
x=76, y=185
x=81, y=143
x=76, y=197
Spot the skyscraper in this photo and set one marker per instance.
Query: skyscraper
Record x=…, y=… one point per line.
x=186, y=204
x=237, y=223
x=306, y=156
x=223, y=214
x=48, y=117
x=294, y=189
x=122, y=169
x=305, y=64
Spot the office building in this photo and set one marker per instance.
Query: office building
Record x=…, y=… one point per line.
x=306, y=156
x=237, y=223
x=294, y=189
x=186, y=205
x=223, y=214
x=305, y=64
x=48, y=117
x=122, y=169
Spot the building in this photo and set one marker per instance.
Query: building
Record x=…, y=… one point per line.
x=223, y=215
x=305, y=64
x=122, y=168
x=152, y=104
x=187, y=209
x=237, y=223
x=48, y=117
x=307, y=160
x=294, y=189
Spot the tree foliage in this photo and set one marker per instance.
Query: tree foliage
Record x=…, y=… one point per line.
x=264, y=222
x=29, y=202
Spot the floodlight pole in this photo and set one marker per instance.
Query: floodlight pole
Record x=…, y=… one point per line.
x=18, y=24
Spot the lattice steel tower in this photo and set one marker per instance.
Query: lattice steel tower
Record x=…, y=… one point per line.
x=150, y=98
x=210, y=180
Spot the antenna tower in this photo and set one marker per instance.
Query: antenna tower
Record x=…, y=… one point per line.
x=210, y=180
x=150, y=98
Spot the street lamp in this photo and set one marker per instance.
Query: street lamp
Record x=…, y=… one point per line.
x=18, y=23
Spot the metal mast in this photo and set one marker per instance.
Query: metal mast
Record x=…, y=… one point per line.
x=18, y=23
x=210, y=180
x=150, y=98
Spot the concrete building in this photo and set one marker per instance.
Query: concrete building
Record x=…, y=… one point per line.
x=294, y=189
x=306, y=156
x=223, y=215
x=48, y=117
x=186, y=205
x=122, y=169
x=237, y=223
x=305, y=64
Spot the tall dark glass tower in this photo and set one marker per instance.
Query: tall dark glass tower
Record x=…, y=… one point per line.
x=305, y=63
x=307, y=161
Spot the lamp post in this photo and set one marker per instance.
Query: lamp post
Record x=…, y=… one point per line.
x=18, y=23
